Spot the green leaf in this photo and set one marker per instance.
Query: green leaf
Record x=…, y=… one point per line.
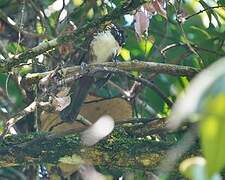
x=15, y=48
x=3, y=3
x=40, y=28
x=204, y=101
x=222, y=2
x=212, y=133
x=77, y=3
x=13, y=90
x=205, y=6
x=74, y=159
x=125, y=54
x=145, y=46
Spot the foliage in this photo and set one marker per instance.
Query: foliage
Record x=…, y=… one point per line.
x=42, y=43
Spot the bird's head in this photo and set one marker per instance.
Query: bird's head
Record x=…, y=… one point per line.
x=117, y=33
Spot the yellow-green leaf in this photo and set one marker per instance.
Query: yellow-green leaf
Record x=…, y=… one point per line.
x=125, y=54
x=78, y=3
x=212, y=133
x=146, y=46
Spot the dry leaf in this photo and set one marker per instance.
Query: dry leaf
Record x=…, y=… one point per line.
x=141, y=21
x=117, y=108
x=143, y=15
x=159, y=7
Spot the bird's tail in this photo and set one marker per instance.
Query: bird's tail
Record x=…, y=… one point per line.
x=79, y=92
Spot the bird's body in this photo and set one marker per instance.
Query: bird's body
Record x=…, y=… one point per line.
x=104, y=46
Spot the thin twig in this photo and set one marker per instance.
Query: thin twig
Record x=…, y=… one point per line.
x=201, y=11
x=101, y=99
x=117, y=87
x=170, y=46
x=13, y=120
x=173, y=45
x=44, y=18
x=19, y=29
x=139, y=120
x=208, y=50
x=141, y=80
x=186, y=40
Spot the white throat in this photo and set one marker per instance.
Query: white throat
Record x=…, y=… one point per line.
x=104, y=47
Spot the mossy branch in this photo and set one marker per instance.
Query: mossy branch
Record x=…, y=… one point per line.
x=119, y=149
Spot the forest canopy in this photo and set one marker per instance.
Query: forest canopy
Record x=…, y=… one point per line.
x=109, y=89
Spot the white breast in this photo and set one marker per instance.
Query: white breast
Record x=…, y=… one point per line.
x=103, y=47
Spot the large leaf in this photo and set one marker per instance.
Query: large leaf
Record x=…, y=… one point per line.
x=204, y=101
x=212, y=133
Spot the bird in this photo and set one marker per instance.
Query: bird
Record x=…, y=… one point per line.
x=104, y=47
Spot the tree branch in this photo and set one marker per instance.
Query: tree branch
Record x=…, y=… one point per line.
x=47, y=148
x=175, y=70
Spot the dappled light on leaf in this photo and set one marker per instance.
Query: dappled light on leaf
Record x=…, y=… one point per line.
x=69, y=164
x=145, y=46
x=55, y=6
x=78, y=3
x=192, y=167
x=125, y=54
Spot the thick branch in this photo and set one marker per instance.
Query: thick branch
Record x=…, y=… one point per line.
x=118, y=149
x=140, y=66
